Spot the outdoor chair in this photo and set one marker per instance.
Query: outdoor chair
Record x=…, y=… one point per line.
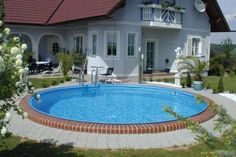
x=76, y=69
x=108, y=72
x=53, y=71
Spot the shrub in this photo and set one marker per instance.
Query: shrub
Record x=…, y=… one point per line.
x=78, y=57
x=144, y=79
x=207, y=86
x=62, y=81
x=44, y=85
x=66, y=60
x=54, y=82
x=195, y=66
x=150, y=79
x=183, y=84
x=67, y=78
x=220, y=86
x=215, y=91
x=188, y=80
x=165, y=80
x=13, y=81
x=231, y=73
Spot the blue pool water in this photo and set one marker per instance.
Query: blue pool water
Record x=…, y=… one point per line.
x=116, y=104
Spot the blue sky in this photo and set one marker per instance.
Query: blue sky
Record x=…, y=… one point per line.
x=229, y=9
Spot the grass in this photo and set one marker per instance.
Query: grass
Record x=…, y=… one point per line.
x=229, y=82
x=17, y=147
x=46, y=82
x=211, y=81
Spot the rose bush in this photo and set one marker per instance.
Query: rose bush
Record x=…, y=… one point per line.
x=13, y=78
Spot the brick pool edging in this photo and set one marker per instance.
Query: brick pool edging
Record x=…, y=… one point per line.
x=110, y=128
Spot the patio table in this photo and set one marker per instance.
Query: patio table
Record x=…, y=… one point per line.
x=42, y=64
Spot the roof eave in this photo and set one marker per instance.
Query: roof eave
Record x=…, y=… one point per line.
x=218, y=22
x=23, y=23
x=222, y=17
x=77, y=20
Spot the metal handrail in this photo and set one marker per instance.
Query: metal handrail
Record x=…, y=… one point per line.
x=93, y=80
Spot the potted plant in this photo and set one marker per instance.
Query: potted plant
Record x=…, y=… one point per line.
x=196, y=67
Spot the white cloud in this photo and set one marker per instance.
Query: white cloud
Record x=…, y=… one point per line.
x=230, y=17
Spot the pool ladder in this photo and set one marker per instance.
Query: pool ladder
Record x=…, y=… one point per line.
x=81, y=77
x=94, y=76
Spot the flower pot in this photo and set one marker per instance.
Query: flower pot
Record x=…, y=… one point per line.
x=197, y=85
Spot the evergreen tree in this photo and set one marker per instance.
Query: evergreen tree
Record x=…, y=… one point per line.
x=220, y=86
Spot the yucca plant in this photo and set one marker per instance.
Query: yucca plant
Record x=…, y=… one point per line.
x=193, y=65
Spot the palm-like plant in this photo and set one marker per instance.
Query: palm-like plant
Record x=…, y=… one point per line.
x=193, y=65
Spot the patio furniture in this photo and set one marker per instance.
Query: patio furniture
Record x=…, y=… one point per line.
x=108, y=72
x=76, y=69
x=43, y=65
x=33, y=68
x=53, y=71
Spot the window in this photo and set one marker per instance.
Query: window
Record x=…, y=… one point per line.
x=94, y=43
x=78, y=44
x=131, y=44
x=196, y=46
x=55, y=48
x=111, y=43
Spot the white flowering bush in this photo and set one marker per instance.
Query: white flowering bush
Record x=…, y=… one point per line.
x=13, y=79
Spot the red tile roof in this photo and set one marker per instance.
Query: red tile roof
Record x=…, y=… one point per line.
x=46, y=12
x=43, y=12
x=29, y=11
x=81, y=9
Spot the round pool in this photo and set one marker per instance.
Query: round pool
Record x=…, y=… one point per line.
x=116, y=104
x=114, y=109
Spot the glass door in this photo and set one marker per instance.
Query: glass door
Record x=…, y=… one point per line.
x=150, y=54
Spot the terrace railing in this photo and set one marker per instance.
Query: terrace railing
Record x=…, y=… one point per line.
x=155, y=15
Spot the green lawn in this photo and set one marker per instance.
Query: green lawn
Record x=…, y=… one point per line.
x=229, y=82
x=211, y=81
x=46, y=82
x=16, y=147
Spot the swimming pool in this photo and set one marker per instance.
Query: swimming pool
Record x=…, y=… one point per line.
x=114, y=106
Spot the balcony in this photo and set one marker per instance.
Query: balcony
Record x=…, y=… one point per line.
x=156, y=15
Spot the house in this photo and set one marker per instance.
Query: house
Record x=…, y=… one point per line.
x=114, y=33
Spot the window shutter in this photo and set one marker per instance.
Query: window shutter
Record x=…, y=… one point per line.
x=190, y=47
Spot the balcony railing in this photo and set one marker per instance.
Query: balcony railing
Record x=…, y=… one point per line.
x=155, y=15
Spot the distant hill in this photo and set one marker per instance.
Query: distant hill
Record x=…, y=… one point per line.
x=218, y=48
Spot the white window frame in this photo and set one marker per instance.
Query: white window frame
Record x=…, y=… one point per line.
x=74, y=41
x=111, y=57
x=192, y=37
x=91, y=43
x=135, y=45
